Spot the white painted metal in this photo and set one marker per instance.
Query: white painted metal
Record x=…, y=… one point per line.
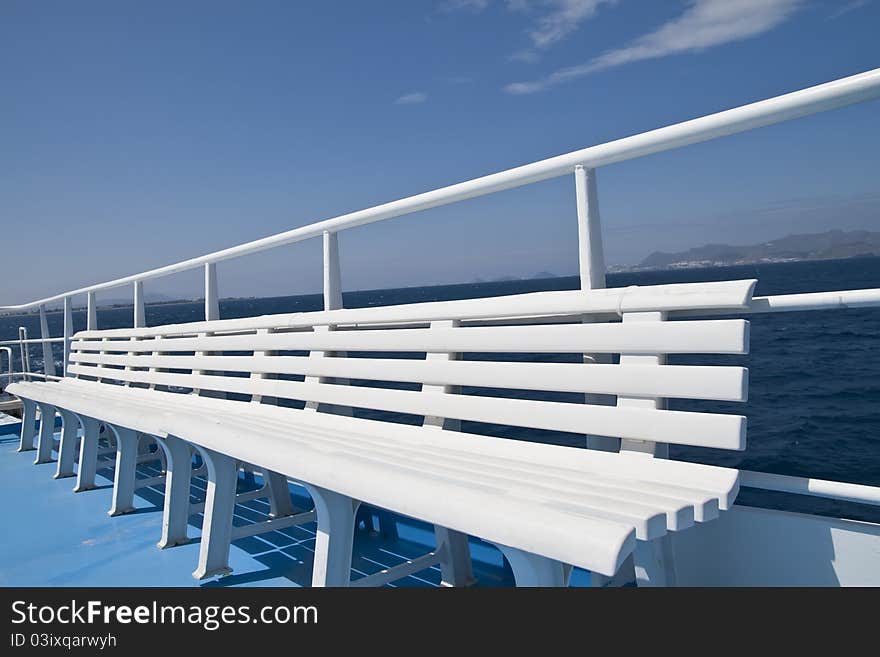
x=533, y=570
x=222, y=478
x=764, y=547
x=68, y=330
x=88, y=454
x=139, y=313
x=727, y=383
x=10, y=367
x=836, y=490
x=820, y=98
x=844, y=299
x=124, y=474
x=591, y=255
x=33, y=341
x=68, y=445
x=91, y=312
x=680, y=427
x=25, y=354
x=46, y=438
x=720, y=336
x=731, y=296
x=654, y=402
x=334, y=537
x=332, y=272
x=212, y=298
x=28, y=429
x=48, y=357
x=176, y=511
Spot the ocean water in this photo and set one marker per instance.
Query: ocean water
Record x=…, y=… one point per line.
x=814, y=397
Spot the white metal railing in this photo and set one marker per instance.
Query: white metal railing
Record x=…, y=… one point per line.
x=582, y=163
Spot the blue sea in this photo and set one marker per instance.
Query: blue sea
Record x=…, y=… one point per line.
x=814, y=398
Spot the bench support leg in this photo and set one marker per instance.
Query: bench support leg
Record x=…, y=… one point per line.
x=88, y=455
x=126, y=469
x=335, y=536
x=533, y=570
x=178, y=478
x=219, y=506
x=280, y=504
x=654, y=563
x=46, y=440
x=28, y=425
x=456, y=568
x=67, y=449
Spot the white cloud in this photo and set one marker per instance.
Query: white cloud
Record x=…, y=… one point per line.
x=704, y=24
x=564, y=17
x=472, y=5
x=848, y=7
x=413, y=98
x=554, y=20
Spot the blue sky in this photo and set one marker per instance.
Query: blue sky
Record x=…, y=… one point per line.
x=135, y=134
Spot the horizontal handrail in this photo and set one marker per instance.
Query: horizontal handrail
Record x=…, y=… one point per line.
x=837, y=490
x=820, y=98
x=32, y=341
x=779, y=303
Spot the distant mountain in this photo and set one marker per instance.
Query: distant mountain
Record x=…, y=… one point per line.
x=815, y=246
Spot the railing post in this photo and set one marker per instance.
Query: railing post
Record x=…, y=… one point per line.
x=139, y=316
x=591, y=256
x=591, y=264
x=332, y=273
x=23, y=347
x=212, y=300
x=92, y=312
x=68, y=329
x=48, y=355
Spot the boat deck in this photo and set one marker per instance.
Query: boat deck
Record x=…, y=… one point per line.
x=80, y=545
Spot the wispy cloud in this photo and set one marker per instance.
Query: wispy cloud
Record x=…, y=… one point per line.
x=472, y=5
x=848, y=7
x=412, y=98
x=704, y=24
x=552, y=20
x=561, y=19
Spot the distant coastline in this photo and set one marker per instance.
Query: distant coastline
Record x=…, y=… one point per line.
x=830, y=245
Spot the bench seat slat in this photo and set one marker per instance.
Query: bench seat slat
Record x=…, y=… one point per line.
x=679, y=427
x=717, y=336
x=683, y=478
x=675, y=381
x=730, y=295
x=311, y=456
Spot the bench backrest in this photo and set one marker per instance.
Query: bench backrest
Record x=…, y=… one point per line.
x=327, y=357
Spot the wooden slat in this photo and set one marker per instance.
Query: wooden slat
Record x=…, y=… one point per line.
x=680, y=296
x=676, y=381
x=687, y=428
x=724, y=336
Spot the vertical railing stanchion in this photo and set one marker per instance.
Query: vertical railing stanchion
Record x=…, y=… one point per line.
x=212, y=300
x=332, y=272
x=48, y=354
x=25, y=356
x=91, y=312
x=68, y=329
x=591, y=255
x=139, y=316
x=591, y=265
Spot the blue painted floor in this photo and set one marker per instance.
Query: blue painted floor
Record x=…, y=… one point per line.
x=54, y=537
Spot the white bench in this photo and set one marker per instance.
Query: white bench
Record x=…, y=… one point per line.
x=547, y=507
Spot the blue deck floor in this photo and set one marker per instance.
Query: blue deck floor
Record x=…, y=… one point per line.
x=54, y=537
